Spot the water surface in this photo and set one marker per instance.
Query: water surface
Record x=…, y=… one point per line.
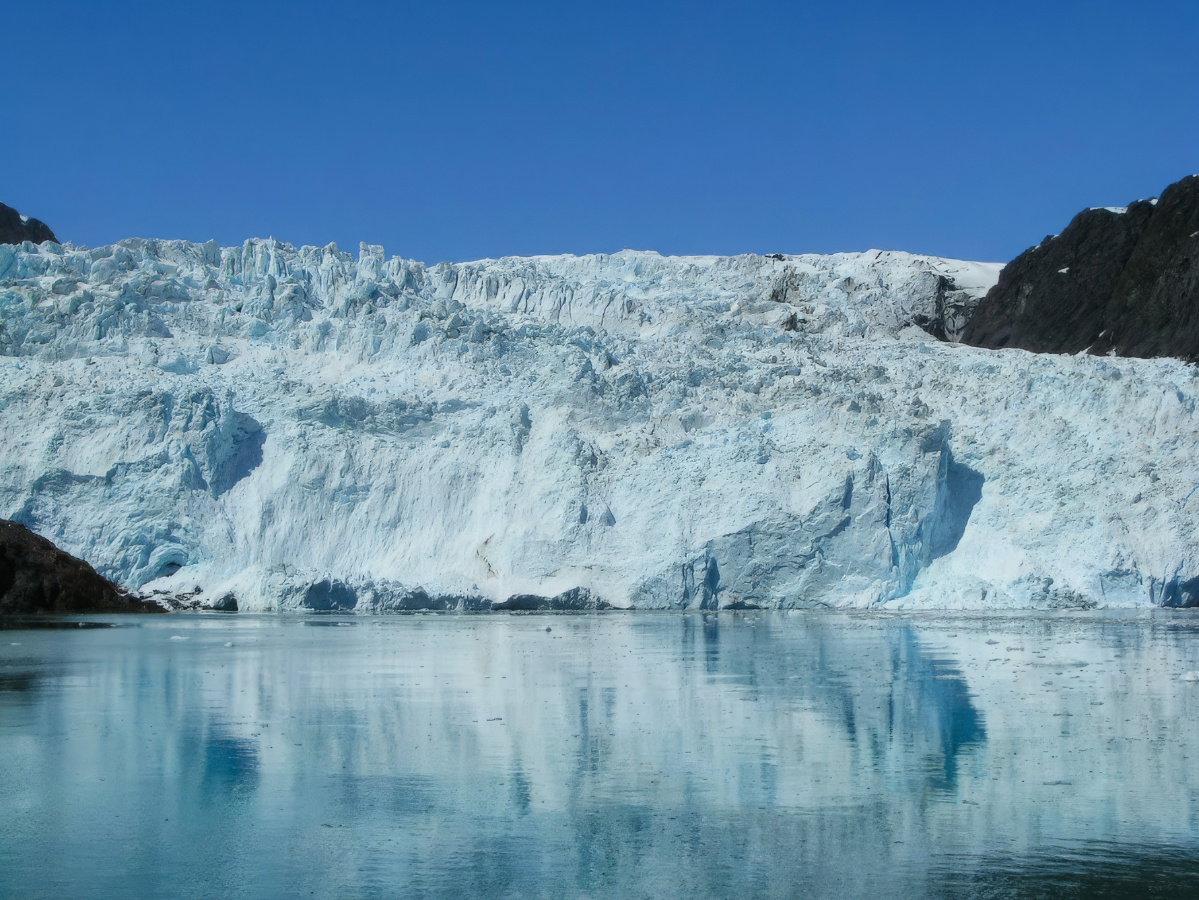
x=611, y=755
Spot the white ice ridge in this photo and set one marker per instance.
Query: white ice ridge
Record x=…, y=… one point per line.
x=303, y=428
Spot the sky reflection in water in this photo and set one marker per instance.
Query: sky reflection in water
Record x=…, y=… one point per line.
x=643, y=755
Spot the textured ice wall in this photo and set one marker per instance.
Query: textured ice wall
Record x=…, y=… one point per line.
x=303, y=428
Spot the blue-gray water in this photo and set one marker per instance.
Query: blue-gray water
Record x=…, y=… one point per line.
x=612, y=755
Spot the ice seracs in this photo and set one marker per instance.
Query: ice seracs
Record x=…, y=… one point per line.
x=302, y=428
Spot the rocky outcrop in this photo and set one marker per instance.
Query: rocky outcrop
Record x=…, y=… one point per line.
x=16, y=228
x=574, y=600
x=1116, y=280
x=37, y=577
x=226, y=603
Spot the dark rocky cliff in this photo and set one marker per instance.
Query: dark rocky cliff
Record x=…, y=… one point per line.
x=37, y=577
x=15, y=229
x=1124, y=282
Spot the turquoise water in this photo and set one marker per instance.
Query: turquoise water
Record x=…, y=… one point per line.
x=609, y=755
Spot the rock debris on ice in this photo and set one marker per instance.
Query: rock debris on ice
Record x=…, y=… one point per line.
x=296, y=428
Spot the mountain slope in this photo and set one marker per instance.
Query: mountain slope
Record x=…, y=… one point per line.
x=1123, y=281
x=16, y=228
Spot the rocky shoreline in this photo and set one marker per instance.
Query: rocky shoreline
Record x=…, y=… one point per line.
x=38, y=577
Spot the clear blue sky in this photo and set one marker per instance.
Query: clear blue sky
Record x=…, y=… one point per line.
x=448, y=130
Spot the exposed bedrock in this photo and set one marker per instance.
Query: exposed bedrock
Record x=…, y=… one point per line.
x=16, y=228
x=37, y=577
x=1123, y=281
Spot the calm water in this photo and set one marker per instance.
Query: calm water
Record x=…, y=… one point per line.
x=616, y=755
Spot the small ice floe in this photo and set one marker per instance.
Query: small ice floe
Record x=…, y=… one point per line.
x=1191, y=676
x=1063, y=271
x=1061, y=663
x=178, y=637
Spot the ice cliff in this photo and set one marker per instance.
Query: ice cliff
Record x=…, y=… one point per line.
x=300, y=428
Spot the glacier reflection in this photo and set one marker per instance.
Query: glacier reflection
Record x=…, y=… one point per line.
x=774, y=754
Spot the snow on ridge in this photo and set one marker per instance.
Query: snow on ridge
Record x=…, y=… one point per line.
x=304, y=428
x=1121, y=210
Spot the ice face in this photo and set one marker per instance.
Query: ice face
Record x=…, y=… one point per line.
x=302, y=428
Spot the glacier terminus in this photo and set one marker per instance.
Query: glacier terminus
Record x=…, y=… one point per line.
x=303, y=428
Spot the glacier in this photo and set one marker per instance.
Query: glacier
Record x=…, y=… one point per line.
x=300, y=428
